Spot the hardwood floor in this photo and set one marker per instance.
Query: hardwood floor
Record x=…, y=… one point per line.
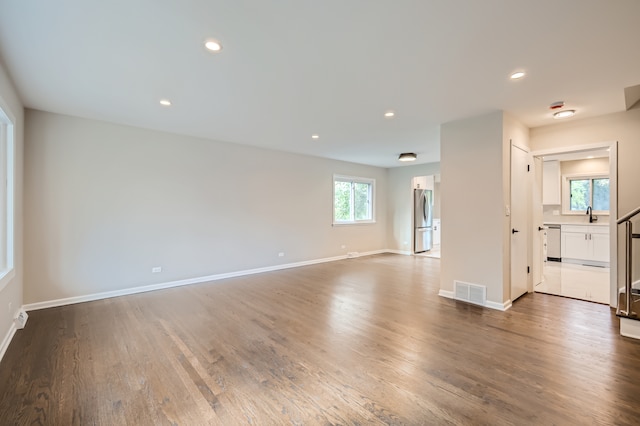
x=359, y=341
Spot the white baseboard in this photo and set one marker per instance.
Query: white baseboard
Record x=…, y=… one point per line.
x=499, y=306
x=488, y=304
x=179, y=283
x=402, y=252
x=446, y=293
x=7, y=339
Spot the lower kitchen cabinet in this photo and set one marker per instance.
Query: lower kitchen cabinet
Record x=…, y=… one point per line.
x=585, y=243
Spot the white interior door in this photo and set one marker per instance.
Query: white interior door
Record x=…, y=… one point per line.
x=519, y=223
x=537, y=230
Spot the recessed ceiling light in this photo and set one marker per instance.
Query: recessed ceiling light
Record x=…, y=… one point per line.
x=407, y=156
x=165, y=102
x=564, y=114
x=315, y=136
x=389, y=114
x=516, y=75
x=213, y=45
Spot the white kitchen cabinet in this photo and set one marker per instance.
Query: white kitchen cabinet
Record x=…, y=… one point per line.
x=551, y=183
x=436, y=232
x=585, y=244
x=576, y=245
x=600, y=243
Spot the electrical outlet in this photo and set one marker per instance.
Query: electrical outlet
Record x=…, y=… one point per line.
x=281, y=254
x=343, y=246
x=156, y=269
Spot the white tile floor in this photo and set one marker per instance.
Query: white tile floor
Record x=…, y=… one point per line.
x=577, y=281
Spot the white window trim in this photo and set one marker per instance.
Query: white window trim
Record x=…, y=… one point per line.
x=355, y=179
x=7, y=273
x=566, y=193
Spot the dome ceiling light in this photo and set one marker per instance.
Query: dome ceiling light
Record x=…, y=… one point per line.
x=564, y=114
x=407, y=156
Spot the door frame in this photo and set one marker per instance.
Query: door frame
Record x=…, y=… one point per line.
x=537, y=244
x=613, y=207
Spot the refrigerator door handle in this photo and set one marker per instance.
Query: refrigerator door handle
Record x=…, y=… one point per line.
x=424, y=207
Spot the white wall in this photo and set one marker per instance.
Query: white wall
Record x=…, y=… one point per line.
x=475, y=188
x=590, y=165
x=12, y=293
x=400, y=203
x=105, y=203
x=472, y=203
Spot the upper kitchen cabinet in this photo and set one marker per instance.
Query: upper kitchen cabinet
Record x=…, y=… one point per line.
x=551, y=183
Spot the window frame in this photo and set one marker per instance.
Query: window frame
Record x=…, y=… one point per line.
x=7, y=195
x=566, y=192
x=372, y=198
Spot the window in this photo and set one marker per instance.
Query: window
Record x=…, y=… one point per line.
x=6, y=197
x=584, y=191
x=353, y=200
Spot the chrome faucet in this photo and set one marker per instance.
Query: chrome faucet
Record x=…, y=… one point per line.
x=590, y=213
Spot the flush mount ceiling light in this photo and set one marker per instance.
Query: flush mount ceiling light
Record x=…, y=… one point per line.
x=564, y=114
x=389, y=114
x=165, y=102
x=517, y=75
x=315, y=136
x=407, y=156
x=213, y=45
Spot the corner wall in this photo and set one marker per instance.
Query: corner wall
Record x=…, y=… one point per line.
x=105, y=203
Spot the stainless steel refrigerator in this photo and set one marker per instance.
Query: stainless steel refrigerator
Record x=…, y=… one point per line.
x=423, y=220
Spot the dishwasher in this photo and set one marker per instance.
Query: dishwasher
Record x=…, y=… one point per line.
x=553, y=243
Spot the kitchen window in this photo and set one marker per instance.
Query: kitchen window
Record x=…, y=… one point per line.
x=583, y=191
x=353, y=200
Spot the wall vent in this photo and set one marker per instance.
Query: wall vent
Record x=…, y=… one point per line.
x=472, y=293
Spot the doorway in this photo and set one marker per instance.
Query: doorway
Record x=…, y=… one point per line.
x=430, y=183
x=576, y=213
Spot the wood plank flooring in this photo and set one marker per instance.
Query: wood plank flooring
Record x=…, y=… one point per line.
x=359, y=341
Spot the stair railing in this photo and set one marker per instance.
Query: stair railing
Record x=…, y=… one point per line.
x=629, y=236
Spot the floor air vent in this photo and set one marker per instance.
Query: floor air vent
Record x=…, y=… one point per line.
x=472, y=293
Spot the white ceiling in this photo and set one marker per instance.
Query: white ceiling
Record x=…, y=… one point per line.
x=291, y=68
